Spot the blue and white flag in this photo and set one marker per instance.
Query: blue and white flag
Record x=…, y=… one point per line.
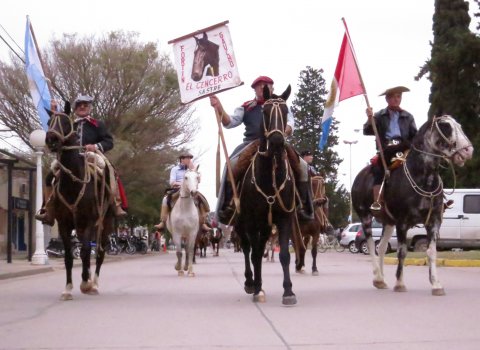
x=36, y=78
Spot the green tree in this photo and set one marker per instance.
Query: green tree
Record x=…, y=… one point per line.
x=454, y=71
x=308, y=110
x=136, y=94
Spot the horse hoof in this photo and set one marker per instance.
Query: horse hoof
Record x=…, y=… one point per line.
x=249, y=289
x=85, y=287
x=400, y=289
x=191, y=274
x=289, y=300
x=315, y=273
x=178, y=267
x=260, y=297
x=66, y=296
x=438, y=292
x=93, y=291
x=180, y=272
x=380, y=285
x=301, y=271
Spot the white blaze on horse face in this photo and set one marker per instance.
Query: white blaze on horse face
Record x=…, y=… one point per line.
x=463, y=149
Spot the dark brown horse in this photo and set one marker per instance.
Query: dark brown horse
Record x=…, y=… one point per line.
x=267, y=197
x=201, y=243
x=311, y=229
x=205, y=54
x=412, y=195
x=82, y=202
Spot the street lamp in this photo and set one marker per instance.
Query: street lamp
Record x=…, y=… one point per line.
x=37, y=140
x=350, y=143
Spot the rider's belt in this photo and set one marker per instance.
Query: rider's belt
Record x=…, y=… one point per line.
x=393, y=142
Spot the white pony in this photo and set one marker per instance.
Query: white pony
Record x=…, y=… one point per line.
x=183, y=221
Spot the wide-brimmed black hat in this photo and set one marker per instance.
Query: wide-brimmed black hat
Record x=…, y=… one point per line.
x=394, y=90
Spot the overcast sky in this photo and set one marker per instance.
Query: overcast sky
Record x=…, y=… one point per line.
x=391, y=39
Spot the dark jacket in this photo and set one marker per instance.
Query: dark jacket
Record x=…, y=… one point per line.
x=94, y=132
x=406, y=123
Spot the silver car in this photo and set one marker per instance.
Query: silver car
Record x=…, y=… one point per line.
x=348, y=236
x=361, y=241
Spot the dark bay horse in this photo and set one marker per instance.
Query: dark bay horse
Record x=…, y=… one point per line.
x=83, y=202
x=267, y=197
x=413, y=195
x=311, y=229
x=205, y=54
x=215, y=237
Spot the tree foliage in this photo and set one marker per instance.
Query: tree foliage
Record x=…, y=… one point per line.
x=308, y=110
x=454, y=70
x=136, y=94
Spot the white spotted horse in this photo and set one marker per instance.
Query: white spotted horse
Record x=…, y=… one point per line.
x=82, y=201
x=413, y=195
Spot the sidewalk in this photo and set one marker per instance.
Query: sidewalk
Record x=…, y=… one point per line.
x=21, y=267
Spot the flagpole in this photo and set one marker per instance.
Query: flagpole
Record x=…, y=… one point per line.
x=374, y=126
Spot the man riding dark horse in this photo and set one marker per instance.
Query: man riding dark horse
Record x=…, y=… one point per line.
x=96, y=140
x=250, y=114
x=396, y=130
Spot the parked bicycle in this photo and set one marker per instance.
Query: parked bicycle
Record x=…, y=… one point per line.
x=329, y=242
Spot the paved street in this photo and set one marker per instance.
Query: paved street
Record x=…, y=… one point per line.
x=144, y=305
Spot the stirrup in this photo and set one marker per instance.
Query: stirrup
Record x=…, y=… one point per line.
x=376, y=206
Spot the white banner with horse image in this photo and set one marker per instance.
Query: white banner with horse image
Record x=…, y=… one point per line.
x=205, y=62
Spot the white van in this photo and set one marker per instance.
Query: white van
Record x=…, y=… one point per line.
x=460, y=227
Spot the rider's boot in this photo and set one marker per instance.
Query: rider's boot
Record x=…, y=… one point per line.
x=119, y=212
x=47, y=214
x=376, y=198
x=227, y=210
x=305, y=210
x=163, y=217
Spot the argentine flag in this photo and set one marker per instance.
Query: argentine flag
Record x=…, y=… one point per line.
x=36, y=78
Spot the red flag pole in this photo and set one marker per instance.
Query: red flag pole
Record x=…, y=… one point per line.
x=374, y=126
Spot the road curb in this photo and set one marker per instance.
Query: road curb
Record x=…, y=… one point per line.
x=440, y=262
x=24, y=273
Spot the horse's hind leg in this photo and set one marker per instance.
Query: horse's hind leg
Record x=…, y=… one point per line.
x=314, y=254
x=248, y=285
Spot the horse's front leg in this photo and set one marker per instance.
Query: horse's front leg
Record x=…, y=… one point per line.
x=85, y=252
x=258, y=248
x=437, y=288
x=300, y=260
x=68, y=259
x=288, y=297
x=401, y=255
x=177, y=240
x=379, y=282
x=246, y=248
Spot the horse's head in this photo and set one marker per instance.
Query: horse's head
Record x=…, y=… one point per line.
x=275, y=112
x=190, y=182
x=60, y=132
x=206, y=53
x=446, y=137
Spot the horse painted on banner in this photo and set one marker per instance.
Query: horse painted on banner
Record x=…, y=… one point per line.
x=413, y=195
x=267, y=197
x=205, y=56
x=183, y=221
x=82, y=201
x=311, y=229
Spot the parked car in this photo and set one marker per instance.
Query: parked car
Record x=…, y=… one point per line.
x=361, y=240
x=347, y=237
x=460, y=227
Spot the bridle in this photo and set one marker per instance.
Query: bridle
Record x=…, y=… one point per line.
x=278, y=117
